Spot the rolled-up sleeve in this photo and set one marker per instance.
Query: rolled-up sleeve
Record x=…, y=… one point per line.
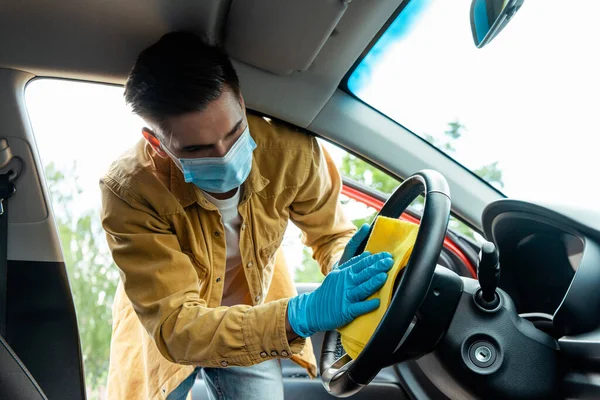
x=317, y=210
x=164, y=289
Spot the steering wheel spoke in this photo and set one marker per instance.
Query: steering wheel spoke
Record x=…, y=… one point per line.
x=340, y=365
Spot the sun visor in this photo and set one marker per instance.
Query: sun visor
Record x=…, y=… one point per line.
x=280, y=36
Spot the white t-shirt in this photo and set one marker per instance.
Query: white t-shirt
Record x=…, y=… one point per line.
x=235, y=286
x=232, y=221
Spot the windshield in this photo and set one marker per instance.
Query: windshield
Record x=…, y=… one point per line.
x=522, y=112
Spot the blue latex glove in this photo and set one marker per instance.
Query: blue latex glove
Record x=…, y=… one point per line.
x=341, y=297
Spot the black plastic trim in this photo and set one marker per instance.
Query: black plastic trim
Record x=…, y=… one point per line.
x=42, y=327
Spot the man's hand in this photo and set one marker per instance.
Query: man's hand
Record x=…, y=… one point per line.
x=341, y=297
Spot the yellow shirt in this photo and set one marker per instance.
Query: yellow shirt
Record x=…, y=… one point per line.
x=168, y=243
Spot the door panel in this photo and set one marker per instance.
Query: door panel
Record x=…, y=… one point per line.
x=42, y=327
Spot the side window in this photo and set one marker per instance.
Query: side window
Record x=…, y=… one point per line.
x=80, y=128
x=299, y=257
x=357, y=170
x=304, y=268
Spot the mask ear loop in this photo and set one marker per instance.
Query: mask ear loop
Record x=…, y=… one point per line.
x=172, y=156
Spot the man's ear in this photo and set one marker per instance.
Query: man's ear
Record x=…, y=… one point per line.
x=154, y=142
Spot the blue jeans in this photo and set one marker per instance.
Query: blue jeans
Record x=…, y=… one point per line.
x=260, y=381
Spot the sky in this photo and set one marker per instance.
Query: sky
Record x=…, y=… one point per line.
x=529, y=100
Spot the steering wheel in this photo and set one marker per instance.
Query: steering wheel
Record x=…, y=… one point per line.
x=342, y=376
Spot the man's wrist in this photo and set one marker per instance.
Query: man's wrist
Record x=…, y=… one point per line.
x=290, y=333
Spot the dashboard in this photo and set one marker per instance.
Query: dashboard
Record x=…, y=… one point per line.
x=548, y=261
x=538, y=258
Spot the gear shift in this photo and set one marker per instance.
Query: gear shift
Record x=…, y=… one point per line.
x=488, y=273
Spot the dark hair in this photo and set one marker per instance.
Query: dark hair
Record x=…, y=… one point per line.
x=178, y=74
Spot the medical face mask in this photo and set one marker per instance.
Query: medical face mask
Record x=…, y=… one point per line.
x=220, y=174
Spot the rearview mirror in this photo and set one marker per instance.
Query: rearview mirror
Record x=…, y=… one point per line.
x=489, y=17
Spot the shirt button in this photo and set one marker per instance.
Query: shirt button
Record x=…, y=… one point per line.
x=257, y=298
x=243, y=226
x=284, y=353
x=263, y=354
x=249, y=265
x=274, y=353
x=224, y=363
x=217, y=233
x=218, y=280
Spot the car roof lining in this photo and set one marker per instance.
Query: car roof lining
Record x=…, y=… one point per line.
x=98, y=41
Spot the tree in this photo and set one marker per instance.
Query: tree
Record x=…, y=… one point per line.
x=93, y=277
x=362, y=172
x=489, y=172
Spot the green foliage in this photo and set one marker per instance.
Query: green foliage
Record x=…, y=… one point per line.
x=93, y=277
x=308, y=271
x=489, y=173
x=366, y=220
x=360, y=171
x=454, y=130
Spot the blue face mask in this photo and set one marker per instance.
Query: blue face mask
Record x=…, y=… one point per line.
x=221, y=174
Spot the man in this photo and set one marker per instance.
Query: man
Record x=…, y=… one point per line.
x=194, y=216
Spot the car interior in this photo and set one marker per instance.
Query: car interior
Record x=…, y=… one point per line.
x=470, y=319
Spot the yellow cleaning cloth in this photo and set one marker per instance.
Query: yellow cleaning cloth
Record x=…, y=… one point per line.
x=398, y=238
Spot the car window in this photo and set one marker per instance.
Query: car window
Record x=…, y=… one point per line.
x=357, y=170
x=80, y=128
x=520, y=113
x=305, y=269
